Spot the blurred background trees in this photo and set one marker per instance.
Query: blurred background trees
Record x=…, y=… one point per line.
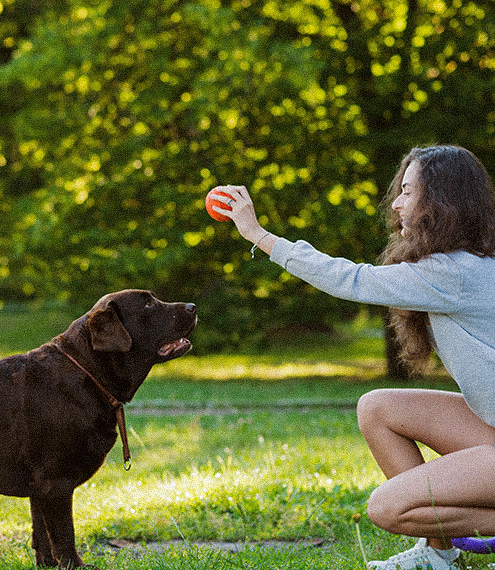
x=118, y=117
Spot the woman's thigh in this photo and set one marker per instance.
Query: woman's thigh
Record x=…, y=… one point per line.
x=439, y=419
x=456, y=491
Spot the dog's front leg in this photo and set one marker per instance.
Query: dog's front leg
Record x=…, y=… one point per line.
x=41, y=541
x=56, y=512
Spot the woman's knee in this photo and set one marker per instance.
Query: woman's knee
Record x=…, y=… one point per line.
x=384, y=511
x=372, y=409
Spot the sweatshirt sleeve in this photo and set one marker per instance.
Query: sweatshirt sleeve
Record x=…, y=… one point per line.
x=432, y=284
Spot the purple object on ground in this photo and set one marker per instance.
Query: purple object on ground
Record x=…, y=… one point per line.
x=476, y=545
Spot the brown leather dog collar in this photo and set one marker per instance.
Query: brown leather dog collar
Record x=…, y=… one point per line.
x=118, y=406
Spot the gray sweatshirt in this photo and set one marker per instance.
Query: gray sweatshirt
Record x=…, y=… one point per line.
x=457, y=290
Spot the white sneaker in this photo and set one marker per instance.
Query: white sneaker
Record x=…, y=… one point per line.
x=419, y=557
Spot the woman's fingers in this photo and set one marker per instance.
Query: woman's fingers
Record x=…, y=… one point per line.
x=236, y=196
x=227, y=213
x=235, y=193
x=242, y=209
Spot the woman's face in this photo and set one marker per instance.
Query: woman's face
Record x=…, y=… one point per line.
x=405, y=203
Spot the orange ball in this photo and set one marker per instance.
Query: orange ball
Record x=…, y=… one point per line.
x=210, y=202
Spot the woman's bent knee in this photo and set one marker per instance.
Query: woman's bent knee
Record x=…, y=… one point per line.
x=372, y=408
x=383, y=512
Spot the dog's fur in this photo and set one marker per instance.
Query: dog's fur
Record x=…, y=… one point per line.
x=56, y=426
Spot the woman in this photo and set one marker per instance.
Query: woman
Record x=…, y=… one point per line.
x=438, y=276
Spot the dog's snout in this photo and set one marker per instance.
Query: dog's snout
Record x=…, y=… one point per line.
x=190, y=308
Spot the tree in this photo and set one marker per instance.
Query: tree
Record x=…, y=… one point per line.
x=128, y=113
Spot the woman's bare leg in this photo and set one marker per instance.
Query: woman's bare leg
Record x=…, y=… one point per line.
x=451, y=496
x=392, y=420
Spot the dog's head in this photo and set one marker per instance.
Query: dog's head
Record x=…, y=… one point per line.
x=135, y=320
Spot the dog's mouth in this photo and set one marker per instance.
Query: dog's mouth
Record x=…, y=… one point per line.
x=174, y=349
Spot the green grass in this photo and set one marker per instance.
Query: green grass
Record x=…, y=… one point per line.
x=266, y=455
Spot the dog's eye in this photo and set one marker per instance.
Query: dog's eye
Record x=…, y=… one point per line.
x=149, y=303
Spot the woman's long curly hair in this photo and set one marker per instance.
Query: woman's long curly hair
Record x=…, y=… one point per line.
x=455, y=210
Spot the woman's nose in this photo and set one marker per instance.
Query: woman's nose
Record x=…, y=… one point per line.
x=397, y=203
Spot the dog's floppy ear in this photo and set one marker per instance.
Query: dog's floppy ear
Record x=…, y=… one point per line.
x=107, y=332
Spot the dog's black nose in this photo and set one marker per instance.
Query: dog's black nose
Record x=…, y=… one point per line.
x=190, y=308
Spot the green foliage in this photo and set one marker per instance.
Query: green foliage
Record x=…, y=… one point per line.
x=120, y=116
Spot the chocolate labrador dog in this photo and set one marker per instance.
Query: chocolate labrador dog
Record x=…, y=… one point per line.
x=59, y=406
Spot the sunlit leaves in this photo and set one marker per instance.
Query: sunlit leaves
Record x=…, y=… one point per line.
x=120, y=116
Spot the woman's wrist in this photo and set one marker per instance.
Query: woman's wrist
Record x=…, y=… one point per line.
x=263, y=240
x=257, y=235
